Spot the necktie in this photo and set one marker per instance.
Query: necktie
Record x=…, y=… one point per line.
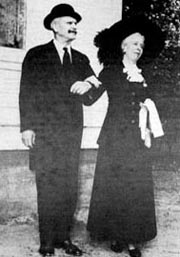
x=66, y=58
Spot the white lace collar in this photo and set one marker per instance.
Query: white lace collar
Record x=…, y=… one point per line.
x=134, y=74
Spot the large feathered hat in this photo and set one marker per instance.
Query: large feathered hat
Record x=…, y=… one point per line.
x=109, y=40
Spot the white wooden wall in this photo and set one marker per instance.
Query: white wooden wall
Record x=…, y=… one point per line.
x=96, y=16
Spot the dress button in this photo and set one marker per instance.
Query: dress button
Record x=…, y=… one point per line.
x=133, y=103
x=132, y=121
x=133, y=93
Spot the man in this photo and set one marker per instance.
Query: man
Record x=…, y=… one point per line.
x=54, y=84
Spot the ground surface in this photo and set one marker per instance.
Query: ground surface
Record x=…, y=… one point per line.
x=19, y=236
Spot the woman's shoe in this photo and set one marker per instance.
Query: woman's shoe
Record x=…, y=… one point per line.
x=46, y=251
x=134, y=252
x=117, y=247
x=70, y=248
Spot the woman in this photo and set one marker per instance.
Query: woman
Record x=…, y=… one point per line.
x=122, y=206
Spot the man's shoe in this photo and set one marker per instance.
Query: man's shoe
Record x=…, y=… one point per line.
x=46, y=251
x=134, y=252
x=117, y=247
x=70, y=248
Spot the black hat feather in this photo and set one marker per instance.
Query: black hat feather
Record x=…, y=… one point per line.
x=109, y=40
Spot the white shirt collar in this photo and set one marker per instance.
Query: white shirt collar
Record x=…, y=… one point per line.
x=59, y=48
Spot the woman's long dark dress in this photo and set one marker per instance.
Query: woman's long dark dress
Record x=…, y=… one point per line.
x=122, y=204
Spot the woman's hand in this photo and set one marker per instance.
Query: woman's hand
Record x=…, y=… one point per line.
x=143, y=106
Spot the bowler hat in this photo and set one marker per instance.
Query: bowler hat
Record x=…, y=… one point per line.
x=60, y=10
x=111, y=38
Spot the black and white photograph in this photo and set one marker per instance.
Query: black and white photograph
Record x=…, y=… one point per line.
x=89, y=128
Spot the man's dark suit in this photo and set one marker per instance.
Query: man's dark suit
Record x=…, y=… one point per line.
x=49, y=109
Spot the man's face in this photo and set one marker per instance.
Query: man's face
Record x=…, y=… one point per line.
x=65, y=28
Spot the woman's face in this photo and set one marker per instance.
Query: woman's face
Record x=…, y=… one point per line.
x=132, y=47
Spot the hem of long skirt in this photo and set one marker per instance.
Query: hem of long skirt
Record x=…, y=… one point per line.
x=97, y=237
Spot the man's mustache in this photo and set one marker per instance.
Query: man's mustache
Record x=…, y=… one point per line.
x=72, y=31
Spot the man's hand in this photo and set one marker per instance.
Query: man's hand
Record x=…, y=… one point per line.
x=28, y=138
x=94, y=81
x=80, y=87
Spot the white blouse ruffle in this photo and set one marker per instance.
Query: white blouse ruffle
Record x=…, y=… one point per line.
x=134, y=74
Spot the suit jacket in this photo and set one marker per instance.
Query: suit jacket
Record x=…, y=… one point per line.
x=46, y=104
x=123, y=97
